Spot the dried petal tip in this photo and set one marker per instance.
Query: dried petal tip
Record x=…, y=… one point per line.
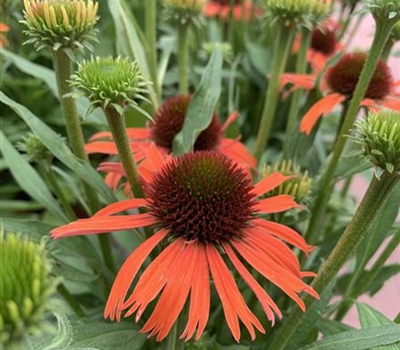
x=109, y=82
x=305, y=13
x=379, y=135
x=66, y=24
x=298, y=186
x=25, y=287
x=384, y=10
x=184, y=12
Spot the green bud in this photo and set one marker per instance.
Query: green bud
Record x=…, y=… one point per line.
x=379, y=135
x=109, y=82
x=304, y=13
x=25, y=287
x=65, y=24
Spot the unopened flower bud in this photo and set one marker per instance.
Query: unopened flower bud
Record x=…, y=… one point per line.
x=379, y=135
x=109, y=82
x=25, y=287
x=66, y=24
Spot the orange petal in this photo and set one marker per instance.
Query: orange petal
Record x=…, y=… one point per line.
x=265, y=300
x=102, y=224
x=285, y=233
x=269, y=182
x=121, y=206
x=299, y=81
x=238, y=152
x=127, y=273
x=199, y=296
x=275, y=204
x=391, y=102
x=232, y=301
x=153, y=279
x=279, y=276
x=174, y=294
x=231, y=118
x=321, y=107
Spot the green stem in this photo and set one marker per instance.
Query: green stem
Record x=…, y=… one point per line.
x=376, y=195
x=387, y=49
x=151, y=41
x=364, y=282
x=173, y=342
x=282, y=45
x=49, y=174
x=301, y=67
x=116, y=122
x=183, y=58
x=326, y=186
x=63, y=67
x=70, y=300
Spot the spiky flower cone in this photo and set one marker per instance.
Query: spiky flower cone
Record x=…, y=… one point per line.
x=109, y=82
x=183, y=12
x=24, y=289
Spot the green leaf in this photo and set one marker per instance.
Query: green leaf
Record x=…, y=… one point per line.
x=362, y=339
x=57, y=146
x=99, y=333
x=329, y=327
x=29, y=180
x=48, y=77
x=369, y=317
x=129, y=39
x=202, y=105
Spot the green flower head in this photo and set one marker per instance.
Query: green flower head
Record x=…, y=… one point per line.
x=25, y=287
x=298, y=187
x=65, y=24
x=184, y=12
x=379, y=135
x=304, y=13
x=384, y=10
x=109, y=82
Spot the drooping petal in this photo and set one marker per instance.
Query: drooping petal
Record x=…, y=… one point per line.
x=199, y=296
x=112, y=167
x=285, y=233
x=127, y=274
x=174, y=294
x=232, y=301
x=275, y=204
x=391, y=102
x=101, y=224
x=269, y=182
x=274, y=249
x=238, y=152
x=133, y=134
x=121, y=206
x=153, y=280
x=299, y=81
x=321, y=107
x=282, y=278
x=265, y=300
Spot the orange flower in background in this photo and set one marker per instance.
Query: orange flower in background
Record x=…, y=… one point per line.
x=168, y=121
x=204, y=210
x=4, y=28
x=339, y=83
x=241, y=10
x=323, y=45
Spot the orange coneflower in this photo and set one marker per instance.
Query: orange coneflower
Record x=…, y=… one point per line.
x=205, y=210
x=340, y=82
x=240, y=10
x=168, y=121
